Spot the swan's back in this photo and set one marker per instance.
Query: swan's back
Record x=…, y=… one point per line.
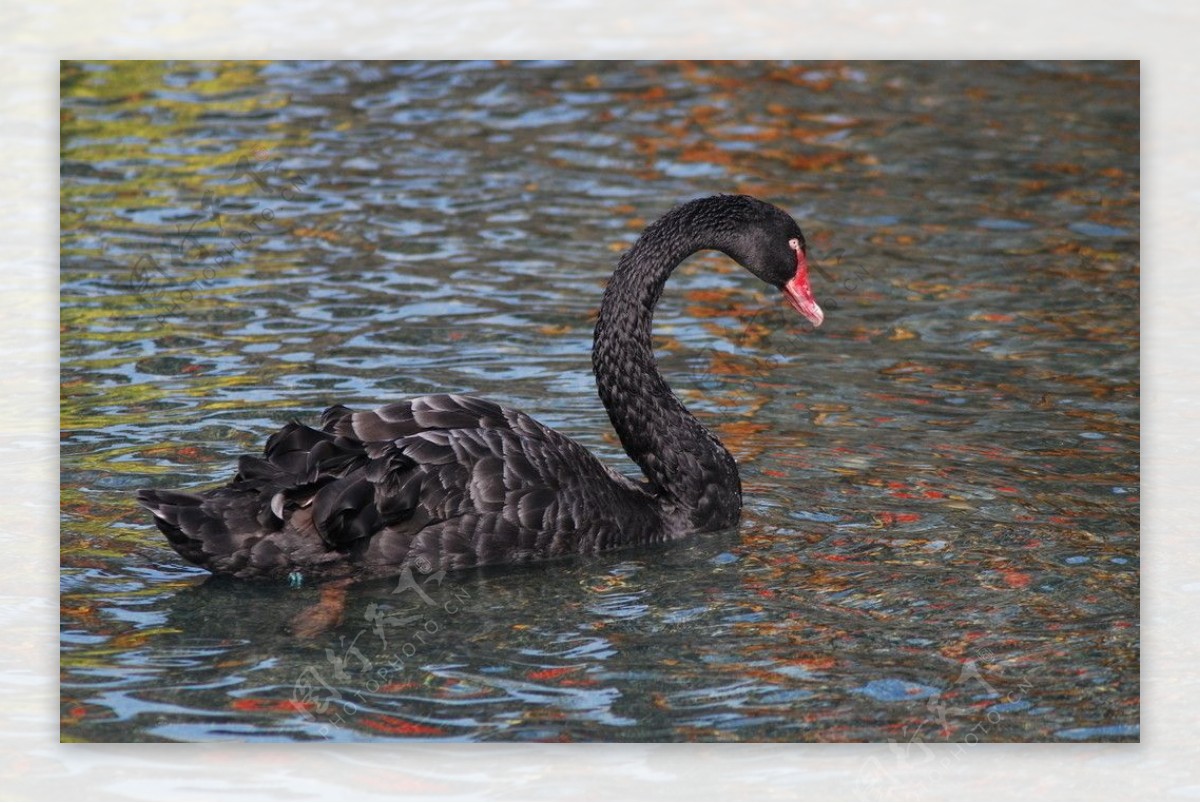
x=435, y=482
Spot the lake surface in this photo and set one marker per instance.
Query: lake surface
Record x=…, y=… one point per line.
x=940, y=539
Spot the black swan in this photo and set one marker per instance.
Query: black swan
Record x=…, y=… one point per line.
x=454, y=482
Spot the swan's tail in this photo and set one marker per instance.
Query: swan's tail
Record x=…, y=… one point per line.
x=290, y=509
x=232, y=530
x=216, y=530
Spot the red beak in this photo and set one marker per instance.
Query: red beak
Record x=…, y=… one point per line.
x=800, y=295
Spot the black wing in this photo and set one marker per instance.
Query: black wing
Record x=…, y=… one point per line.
x=437, y=482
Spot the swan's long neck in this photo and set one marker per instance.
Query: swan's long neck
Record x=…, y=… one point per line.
x=689, y=468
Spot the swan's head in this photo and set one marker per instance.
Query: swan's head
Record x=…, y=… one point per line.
x=767, y=242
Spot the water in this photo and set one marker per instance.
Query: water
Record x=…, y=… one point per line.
x=940, y=540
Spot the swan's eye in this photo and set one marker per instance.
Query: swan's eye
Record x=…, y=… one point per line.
x=794, y=244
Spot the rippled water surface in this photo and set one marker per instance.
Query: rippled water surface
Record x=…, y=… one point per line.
x=940, y=540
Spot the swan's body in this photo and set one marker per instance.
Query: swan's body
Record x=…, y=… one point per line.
x=453, y=482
